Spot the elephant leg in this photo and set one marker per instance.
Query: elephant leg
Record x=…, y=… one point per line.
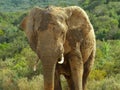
x=87, y=68
x=57, y=82
x=76, y=66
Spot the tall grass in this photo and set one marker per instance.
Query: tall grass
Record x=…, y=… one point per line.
x=112, y=83
x=104, y=76
x=35, y=84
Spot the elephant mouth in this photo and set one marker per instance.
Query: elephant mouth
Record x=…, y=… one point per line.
x=60, y=61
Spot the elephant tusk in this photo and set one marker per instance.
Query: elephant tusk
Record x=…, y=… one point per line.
x=62, y=60
x=36, y=63
x=34, y=68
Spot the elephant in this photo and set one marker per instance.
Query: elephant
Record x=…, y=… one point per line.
x=64, y=40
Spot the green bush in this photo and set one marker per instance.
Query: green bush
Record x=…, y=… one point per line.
x=7, y=80
x=17, y=59
x=112, y=83
x=35, y=84
x=97, y=75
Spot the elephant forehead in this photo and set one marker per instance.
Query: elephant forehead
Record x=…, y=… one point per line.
x=46, y=19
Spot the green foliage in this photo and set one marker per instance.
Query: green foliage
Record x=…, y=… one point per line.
x=115, y=54
x=105, y=19
x=112, y=83
x=20, y=65
x=17, y=59
x=16, y=69
x=104, y=14
x=7, y=79
x=15, y=72
x=12, y=40
x=106, y=66
x=1, y=32
x=35, y=84
x=103, y=54
x=98, y=75
x=106, y=59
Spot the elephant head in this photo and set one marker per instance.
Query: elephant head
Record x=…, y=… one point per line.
x=48, y=30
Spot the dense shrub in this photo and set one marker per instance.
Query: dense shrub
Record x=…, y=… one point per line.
x=17, y=59
x=35, y=84
x=112, y=83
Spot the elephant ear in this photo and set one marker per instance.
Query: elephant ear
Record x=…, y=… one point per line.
x=78, y=22
x=23, y=23
x=30, y=24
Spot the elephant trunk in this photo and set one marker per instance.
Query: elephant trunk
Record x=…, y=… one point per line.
x=48, y=71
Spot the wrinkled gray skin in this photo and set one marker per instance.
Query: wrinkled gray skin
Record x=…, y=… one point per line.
x=55, y=31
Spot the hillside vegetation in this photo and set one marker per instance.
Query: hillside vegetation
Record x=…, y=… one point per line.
x=17, y=59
